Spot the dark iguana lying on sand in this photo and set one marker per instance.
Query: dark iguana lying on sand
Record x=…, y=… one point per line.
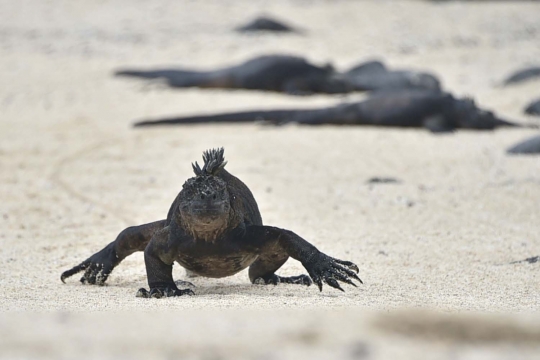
x=292, y=75
x=528, y=146
x=266, y=24
x=214, y=229
x=281, y=73
x=523, y=75
x=435, y=111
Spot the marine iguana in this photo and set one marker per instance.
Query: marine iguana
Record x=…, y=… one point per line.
x=281, y=73
x=214, y=229
x=528, y=146
x=438, y=112
x=293, y=75
x=522, y=75
x=531, y=260
x=266, y=24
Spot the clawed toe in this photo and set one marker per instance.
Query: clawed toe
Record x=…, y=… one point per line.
x=324, y=269
x=333, y=283
x=182, y=283
x=300, y=280
x=276, y=279
x=97, y=268
x=142, y=293
x=158, y=293
x=348, y=264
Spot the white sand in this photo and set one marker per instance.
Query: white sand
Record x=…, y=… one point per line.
x=73, y=174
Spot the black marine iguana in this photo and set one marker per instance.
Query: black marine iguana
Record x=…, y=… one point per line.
x=522, y=75
x=435, y=111
x=293, y=75
x=263, y=24
x=281, y=73
x=528, y=146
x=214, y=229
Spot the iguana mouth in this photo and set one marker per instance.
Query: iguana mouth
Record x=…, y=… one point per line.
x=209, y=208
x=209, y=213
x=208, y=217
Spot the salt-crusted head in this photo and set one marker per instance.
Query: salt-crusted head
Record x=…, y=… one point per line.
x=204, y=204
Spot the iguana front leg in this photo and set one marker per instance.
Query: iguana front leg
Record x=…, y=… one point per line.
x=159, y=259
x=321, y=267
x=99, y=266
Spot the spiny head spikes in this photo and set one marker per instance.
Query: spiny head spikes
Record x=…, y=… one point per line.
x=213, y=162
x=196, y=168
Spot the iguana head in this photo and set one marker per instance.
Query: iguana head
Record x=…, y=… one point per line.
x=469, y=116
x=204, y=204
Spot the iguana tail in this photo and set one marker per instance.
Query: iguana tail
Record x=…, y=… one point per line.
x=178, y=78
x=147, y=74
x=272, y=116
x=506, y=123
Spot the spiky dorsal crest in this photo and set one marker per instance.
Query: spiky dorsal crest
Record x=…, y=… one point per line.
x=213, y=162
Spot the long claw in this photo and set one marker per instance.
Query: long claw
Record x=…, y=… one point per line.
x=349, y=273
x=333, y=283
x=348, y=264
x=142, y=293
x=82, y=266
x=343, y=278
x=317, y=280
x=354, y=276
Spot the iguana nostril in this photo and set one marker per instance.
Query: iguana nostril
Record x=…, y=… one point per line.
x=214, y=197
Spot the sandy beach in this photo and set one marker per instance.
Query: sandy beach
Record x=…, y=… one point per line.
x=438, y=251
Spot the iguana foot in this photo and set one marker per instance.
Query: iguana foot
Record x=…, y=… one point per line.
x=276, y=279
x=323, y=268
x=159, y=292
x=182, y=283
x=96, y=268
